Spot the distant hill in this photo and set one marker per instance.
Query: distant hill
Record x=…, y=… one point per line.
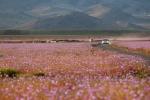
x=75, y=14
x=74, y=20
x=78, y=20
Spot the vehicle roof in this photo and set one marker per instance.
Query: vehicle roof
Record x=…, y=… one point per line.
x=105, y=39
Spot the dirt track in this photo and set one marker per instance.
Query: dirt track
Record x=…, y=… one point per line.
x=122, y=51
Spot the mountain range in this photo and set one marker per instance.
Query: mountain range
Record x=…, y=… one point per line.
x=75, y=14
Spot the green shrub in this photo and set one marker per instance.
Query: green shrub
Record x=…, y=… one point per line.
x=8, y=72
x=142, y=73
x=39, y=74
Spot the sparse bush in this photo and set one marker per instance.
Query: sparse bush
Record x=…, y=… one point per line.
x=143, y=73
x=8, y=72
x=39, y=74
x=1, y=55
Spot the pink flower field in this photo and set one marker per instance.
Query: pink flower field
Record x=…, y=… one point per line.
x=142, y=47
x=71, y=71
x=135, y=44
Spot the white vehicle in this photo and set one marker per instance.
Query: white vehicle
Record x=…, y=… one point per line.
x=105, y=41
